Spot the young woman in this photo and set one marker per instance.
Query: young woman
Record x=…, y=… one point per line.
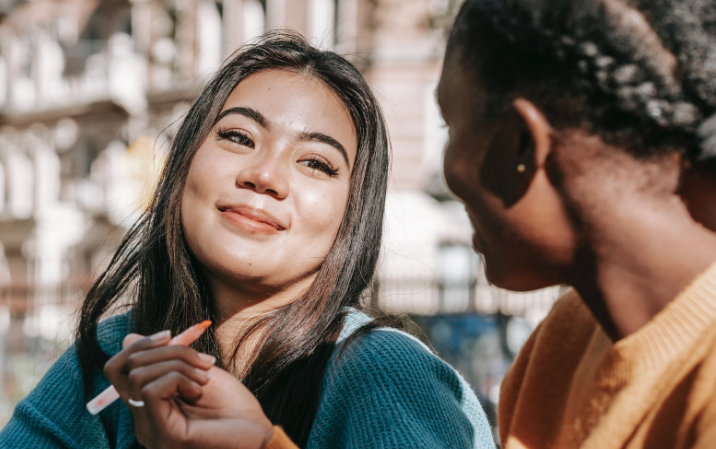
x=572, y=124
x=267, y=220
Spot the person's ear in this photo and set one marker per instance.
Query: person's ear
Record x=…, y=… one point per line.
x=536, y=140
x=518, y=146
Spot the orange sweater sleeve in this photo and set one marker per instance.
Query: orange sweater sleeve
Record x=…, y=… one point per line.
x=279, y=440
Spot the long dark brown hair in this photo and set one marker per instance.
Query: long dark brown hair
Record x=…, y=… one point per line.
x=155, y=269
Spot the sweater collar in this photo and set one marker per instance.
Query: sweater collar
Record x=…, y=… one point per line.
x=674, y=328
x=354, y=319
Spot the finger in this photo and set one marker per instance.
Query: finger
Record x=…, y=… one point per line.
x=161, y=417
x=166, y=353
x=140, y=377
x=115, y=369
x=158, y=397
x=133, y=344
x=160, y=392
x=131, y=338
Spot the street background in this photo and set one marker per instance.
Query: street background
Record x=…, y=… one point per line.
x=91, y=94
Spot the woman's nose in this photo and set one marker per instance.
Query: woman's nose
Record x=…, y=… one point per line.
x=264, y=175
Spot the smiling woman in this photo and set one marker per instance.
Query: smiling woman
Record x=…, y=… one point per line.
x=268, y=221
x=268, y=195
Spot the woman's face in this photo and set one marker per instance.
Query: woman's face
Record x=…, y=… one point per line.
x=520, y=224
x=267, y=190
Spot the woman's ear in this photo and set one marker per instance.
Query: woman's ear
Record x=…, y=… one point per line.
x=537, y=140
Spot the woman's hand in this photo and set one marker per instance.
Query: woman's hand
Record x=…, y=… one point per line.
x=225, y=414
x=148, y=358
x=184, y=405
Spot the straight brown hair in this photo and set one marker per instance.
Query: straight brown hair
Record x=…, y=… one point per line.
x=154, y=267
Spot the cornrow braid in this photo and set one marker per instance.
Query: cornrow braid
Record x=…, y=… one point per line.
x=690, y=26
x=635, y=85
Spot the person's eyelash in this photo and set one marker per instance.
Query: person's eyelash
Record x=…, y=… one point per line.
x=235, y=136
x=317, y=164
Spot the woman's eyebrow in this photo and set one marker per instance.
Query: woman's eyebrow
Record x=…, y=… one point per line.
x=305, y=136
x=253, y=114
x=324, y=138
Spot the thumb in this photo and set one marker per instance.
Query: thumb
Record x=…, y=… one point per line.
x=131, y=338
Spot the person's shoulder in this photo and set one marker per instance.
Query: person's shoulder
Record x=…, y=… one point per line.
x=380, y=345
x=569, y=316
x=391, y=359
x=565, y=332
x=553, y=351
x=111, y=331
x=384, y=345
x=570, y=304
x=386, y=379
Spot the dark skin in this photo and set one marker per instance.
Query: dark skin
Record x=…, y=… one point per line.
x=563, y=207
x=698, y=190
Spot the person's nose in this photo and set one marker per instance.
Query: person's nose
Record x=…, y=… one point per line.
x=265, y=174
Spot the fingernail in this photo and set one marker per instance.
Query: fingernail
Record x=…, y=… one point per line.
x=207, y=358
x=159, y=336
x=203, y=374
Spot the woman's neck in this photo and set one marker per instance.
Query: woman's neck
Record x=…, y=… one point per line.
x=237, y=308
x=643, y=257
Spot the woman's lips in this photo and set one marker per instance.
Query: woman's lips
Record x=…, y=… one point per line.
x=251, y=221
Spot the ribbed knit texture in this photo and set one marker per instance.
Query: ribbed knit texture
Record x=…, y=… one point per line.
x=387, y=391
x=572, y=387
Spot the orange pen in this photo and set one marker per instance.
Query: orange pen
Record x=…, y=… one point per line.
x=109, y=395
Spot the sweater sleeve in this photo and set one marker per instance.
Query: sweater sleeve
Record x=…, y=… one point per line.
x=388, y=390
x=52, y=415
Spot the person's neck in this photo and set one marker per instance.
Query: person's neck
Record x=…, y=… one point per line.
x=236, y=308
x=642, y=259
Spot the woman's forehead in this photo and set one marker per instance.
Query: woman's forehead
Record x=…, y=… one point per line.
x=287, y=101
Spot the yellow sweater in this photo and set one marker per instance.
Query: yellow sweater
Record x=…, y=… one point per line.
x=572, y=386
x=279, y=440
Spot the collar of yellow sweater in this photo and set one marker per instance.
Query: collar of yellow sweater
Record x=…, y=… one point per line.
x=684, y=319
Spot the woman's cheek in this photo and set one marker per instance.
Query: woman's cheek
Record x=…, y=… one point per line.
x=322, y=213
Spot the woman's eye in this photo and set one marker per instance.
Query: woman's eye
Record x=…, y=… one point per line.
x=317, y=164
x=235, y=136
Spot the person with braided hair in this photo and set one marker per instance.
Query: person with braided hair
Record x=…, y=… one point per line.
x=582, y=141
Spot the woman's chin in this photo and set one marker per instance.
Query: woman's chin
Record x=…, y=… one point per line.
x=248, y=272
x=259, y=276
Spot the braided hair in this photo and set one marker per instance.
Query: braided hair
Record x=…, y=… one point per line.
x=641, y=74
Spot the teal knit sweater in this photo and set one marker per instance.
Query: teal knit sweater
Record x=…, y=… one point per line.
x=387, y=391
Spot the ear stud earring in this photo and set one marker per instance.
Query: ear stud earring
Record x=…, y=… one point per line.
x=521, y=168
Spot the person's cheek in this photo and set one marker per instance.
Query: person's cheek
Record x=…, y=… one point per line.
x=321, y=210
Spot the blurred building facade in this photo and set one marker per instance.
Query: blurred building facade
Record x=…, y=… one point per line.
x=91, y=92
